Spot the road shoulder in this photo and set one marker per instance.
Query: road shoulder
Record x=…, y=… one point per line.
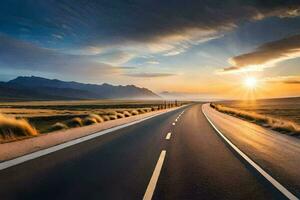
x=16, y=149
x=276, y=153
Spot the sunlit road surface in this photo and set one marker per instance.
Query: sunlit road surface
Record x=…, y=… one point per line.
x=277, y=153
x=177, y=155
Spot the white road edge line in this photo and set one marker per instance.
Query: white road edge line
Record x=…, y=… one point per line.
x=39, y=153
x=275, y=183
x=153, y=181
x=168, y=136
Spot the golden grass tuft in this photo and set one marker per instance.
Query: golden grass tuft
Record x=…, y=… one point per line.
x=89, y=121
x=111, y=112
x=12, y=128
x=75, y=122
x=141, y=111
x=98, y=118
x=92, y=119
x=280, y=125
x=101, y=113
x=105, y=117
x=120, y=115
x=148, y=109
x=134, y=112
x=112, y=117
x=154, y=108
x=126, y=113
x=58, y=126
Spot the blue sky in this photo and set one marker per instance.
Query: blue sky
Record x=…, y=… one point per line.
x=192, y=47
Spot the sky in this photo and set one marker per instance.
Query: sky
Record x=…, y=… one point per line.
x=200, y=49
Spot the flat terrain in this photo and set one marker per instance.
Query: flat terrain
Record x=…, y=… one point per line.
x=119, y=165
x=43, y=114
x=285, y=108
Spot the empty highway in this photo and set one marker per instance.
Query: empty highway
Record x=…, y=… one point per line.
x=176, y=155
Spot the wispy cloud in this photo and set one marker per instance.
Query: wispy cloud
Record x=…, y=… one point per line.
x=283, y=79
x=115, y=57
x=175, y=52
x=152, y=62
x=149, y=75
x=292, y=82
x=26, y=56
x=95, y=38
x=266, y=55
x=167, y=26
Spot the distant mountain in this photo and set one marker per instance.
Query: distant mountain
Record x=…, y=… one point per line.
x=37, y=88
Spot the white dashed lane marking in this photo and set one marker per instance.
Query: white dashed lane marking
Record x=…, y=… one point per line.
x=168, y=136
x=153, y=181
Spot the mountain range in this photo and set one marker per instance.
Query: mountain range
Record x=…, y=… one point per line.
x=38, y=88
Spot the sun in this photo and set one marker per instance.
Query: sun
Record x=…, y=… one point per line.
x=250, y=82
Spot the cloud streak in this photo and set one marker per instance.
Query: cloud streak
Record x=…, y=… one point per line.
x=152, y=62
x=294, y=80
x=150, y=75
x=26, y=56
x=267, y=55
x=166, y=25
x=115, y=57
x=93, y=38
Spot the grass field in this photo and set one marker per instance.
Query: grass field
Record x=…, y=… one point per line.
x=47, y=116
x=285, y=108
x=279, y=114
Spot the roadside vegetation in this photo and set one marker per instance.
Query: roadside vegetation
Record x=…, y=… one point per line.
x=19, y=121
x=277, y=124
x=12, y=128
x=282, y=108
x=96, y=118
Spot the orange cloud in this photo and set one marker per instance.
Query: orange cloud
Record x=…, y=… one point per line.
x=267, y=55
x=283, y=79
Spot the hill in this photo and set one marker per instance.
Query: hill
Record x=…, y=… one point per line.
x=37, y=88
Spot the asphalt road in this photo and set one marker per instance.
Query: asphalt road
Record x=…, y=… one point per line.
x=276, y=153
x=119, y=165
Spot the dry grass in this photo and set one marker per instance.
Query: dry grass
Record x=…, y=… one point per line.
x=126, y=113
x=75, y=122
x=89, y=121
x=147, y=109
x=105, y=117
x=120, y=115
x=154, y=108
x=284, y=108
x=141, y=111
x=111, y=112
x=48, y=116
x=134, y=112
x=58, y=126
x=102, y=116
x=11, y=128
x=280, y=125
x=112, y=117
x=98, y=118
